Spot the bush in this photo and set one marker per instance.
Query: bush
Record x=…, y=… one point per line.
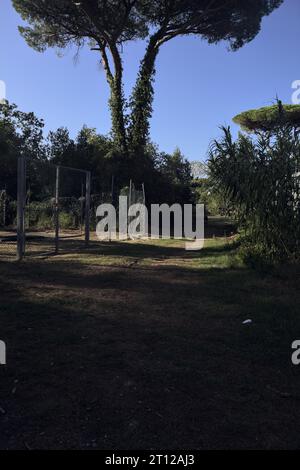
x=67, y=221
x=260, y=176
x=254, y=255
x=41, y=215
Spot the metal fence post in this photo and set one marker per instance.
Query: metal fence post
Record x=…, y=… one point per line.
x=87, y=207
x=21, y=189
x=4, y=209
x=112, y=188
x=130, y=193
x=57, y=210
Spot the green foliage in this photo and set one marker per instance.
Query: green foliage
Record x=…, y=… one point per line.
x=60, y=146
x=255, y=255
x=39, y=215
x=199, y=170
x=270, y=117
x=102, y=25
x=237, y=23
x=67, y=221
x=105, y=24
x=20, y=134
x=62, y=22
x=214, y=201
x=176, y=178
x=260, y=177
x=8, y=210
x=165, y=177
x=26, y=130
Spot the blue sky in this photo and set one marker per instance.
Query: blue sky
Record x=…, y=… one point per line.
x=198, y=86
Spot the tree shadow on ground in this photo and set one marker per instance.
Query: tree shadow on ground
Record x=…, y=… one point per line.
x=146, y=359
x=38, y=245
x=115, y=248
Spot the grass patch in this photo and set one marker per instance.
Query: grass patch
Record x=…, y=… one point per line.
x=141, y=345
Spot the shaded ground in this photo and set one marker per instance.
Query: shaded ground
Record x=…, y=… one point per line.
x=142, y=346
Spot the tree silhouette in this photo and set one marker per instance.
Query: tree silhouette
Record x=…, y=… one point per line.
x=105, y=25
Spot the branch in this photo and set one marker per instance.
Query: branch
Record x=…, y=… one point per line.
x=104, y=39
x=106, y=65
x=128, y=5
x=92, y=16
x=192, y=26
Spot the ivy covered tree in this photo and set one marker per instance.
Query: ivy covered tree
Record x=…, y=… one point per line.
x=105, y=25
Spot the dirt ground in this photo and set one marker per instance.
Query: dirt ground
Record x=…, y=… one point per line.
x=142, y=346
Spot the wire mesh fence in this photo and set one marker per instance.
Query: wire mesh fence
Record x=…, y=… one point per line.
x=8, y=224
x=96, y=200
x=134, y=196
x=50, y=212
x=52, y=209
x=55, y=207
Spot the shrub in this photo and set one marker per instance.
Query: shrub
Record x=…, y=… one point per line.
x=260, y=176
x=67, y=221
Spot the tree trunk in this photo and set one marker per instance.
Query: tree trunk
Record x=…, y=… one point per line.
x=142, y=99
x=116, y=101
x=104, y=40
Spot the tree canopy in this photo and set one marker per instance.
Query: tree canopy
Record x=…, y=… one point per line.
x=269, y=117
x=106, y=24
x=166, y=177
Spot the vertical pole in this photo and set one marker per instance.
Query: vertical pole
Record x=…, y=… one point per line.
x=20, y=208
x=24, y=203
x=4, y=209
x=87, y=207
x=112, y=188
x=57, y=209
x=129, y=202
x=144, y=197
x=130, y=191
x=28, y=209
x=81, y=209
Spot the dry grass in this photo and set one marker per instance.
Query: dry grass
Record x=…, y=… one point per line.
x=141, y=345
